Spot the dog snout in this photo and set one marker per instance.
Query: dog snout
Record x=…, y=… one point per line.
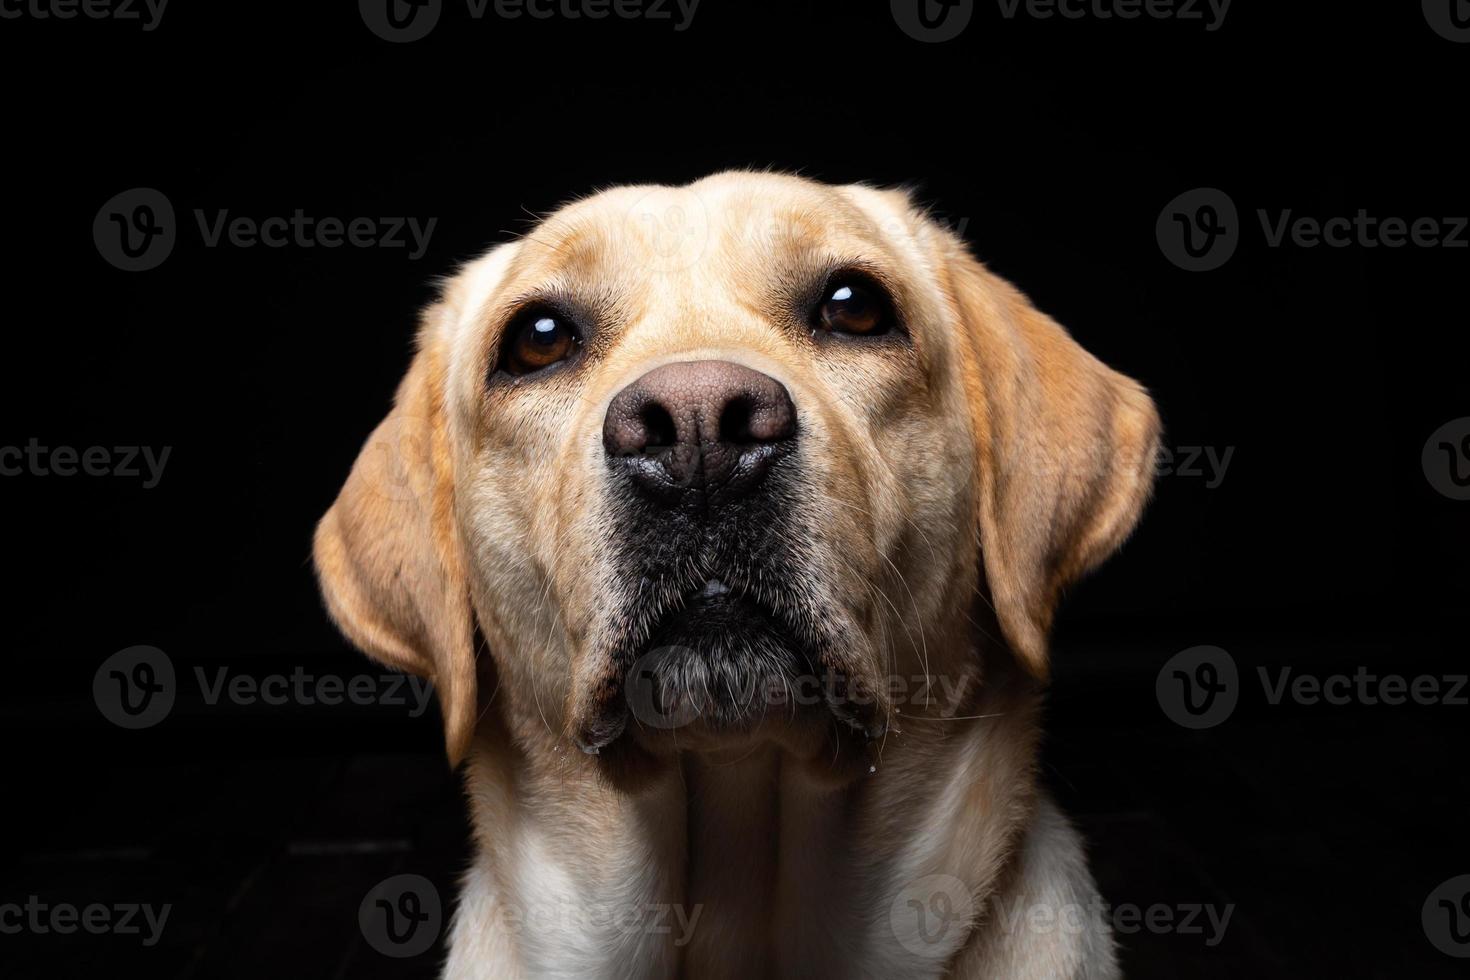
x=712, y=426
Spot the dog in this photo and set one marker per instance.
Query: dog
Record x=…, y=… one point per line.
x=728, y=521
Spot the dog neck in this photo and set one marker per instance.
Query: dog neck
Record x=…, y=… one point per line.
x=693, y=873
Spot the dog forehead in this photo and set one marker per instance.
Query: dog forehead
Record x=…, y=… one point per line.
x=730, y=218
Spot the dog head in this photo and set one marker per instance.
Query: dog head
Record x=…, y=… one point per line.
x=718, y=462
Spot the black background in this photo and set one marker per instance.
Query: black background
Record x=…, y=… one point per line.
x=1053, y=143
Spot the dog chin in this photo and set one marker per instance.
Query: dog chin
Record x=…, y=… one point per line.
x=722, y=663
x=721, y=673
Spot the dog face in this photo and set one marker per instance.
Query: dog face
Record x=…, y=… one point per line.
x=719, y=463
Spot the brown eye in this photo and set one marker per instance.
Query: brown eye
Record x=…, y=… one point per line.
x=537, y=340
x=854, y=306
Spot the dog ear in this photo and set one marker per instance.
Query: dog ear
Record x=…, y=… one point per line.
x=388, y=553
x=1066, y=451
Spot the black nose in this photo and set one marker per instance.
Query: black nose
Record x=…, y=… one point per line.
x=711, y=426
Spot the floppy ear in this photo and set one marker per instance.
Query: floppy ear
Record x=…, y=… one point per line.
x=388, y=554
x=1066, y=450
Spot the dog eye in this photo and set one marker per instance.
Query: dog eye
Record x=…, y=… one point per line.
x=854, y=306
x=537, y=340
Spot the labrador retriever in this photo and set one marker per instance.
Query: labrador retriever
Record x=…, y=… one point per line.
x=728, y=521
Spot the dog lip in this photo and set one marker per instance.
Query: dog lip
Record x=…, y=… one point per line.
x=709, y=611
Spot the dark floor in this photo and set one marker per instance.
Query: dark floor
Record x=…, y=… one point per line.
x=1322, y=833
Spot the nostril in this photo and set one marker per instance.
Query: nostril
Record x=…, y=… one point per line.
x=735, y=421
x=658, y=424
x=757, y=418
